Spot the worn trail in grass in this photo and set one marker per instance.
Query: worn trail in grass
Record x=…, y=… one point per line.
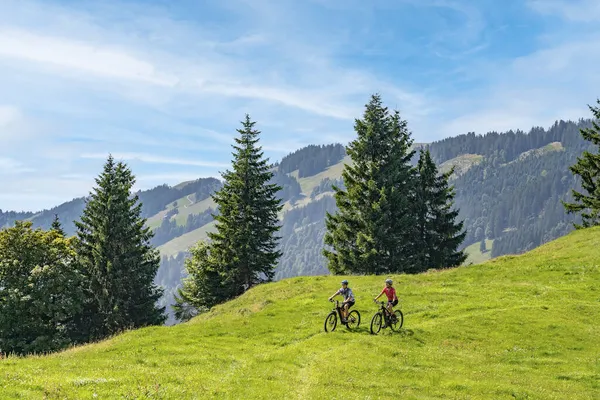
x=514, y=327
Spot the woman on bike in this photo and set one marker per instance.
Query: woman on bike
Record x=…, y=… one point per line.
x=390, y=292
x=348, y=299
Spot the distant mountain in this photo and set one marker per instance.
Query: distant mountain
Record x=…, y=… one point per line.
x=509, y=188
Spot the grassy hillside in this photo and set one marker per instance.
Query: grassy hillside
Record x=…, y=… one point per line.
x=475, y=255
x=461, y=164
x=333, y=172
x=514, y=327
x=187, y=240
x=186, y=205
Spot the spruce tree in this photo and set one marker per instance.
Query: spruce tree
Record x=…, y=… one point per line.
x=369, y=233
x=202, y=288
x=118, y=260
x=56, y=225
x=437, y=235
x=587, y=168
x=243, y=250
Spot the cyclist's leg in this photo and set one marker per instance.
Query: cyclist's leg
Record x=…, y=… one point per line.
x=345, y=311
x=391, y=305
x=348, y=305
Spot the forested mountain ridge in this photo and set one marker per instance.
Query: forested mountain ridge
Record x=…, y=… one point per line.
x=156, y=202
x=509, y=188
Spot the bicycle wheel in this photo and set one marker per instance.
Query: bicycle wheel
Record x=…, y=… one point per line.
x=397, y=320
x=376, y=323
x=353, y=319
x=331, y=322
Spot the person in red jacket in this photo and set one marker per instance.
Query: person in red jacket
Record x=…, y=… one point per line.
x=390, y=292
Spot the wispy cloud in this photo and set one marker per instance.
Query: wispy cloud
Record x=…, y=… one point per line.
x=11, y=166
x=80, y=56
x=165, y=88
x=153, y=159
x=574, y=10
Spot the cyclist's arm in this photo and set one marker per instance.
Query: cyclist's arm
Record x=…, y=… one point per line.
x=378, y=296
x=335, y=294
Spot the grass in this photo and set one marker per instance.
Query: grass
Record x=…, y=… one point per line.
x=307, y=184
x=514, y=327
x=155, y=220
x=195, y=208
x=475, y=256
x=187, y=240
x=554, y=146
x=549, y=148
x=461, y=163
x=186, y=205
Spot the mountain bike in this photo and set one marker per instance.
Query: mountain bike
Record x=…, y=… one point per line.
x=331, y=319
x=394, y=321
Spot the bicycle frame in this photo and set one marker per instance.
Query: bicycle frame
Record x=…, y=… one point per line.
x=338, y=308
x=386, y=313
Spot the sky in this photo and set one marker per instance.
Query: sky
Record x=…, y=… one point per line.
x=164, y=85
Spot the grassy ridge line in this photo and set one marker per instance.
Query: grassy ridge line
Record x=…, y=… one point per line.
x=461, y=164
x=515, y=327
x=187, y=240
x=308, y=183
x=185, y=207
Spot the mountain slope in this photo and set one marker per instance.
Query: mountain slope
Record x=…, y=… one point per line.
x=515, y=327
x=509, y=188
x=558, y=148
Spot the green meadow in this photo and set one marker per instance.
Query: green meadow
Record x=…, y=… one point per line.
x=516, y=327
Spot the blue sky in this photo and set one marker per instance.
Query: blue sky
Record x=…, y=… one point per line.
x=164, y=85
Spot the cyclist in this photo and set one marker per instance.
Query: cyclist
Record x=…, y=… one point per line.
x=390, y=292
x=348, y=299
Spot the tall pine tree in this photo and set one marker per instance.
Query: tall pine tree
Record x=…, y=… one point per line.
x=437, y=235
x=56, y=225
x=369, y=232
x=588, y=169
x=242, y=252
x=118, y=260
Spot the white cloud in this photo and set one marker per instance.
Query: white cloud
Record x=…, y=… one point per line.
x=573, y=10
x=193, y=64
x=153, y=159
x=8, y=115
x=11, y=166
x=290, y=97
x=79, y=55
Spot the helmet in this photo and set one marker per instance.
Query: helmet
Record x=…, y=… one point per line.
x=344, y=282
x=388, y=281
